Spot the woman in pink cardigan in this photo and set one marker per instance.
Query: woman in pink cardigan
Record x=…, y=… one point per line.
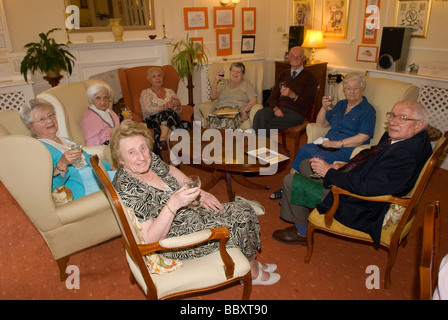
x=99, y=119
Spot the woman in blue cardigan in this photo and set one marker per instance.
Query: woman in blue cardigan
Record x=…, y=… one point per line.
x=71, y=165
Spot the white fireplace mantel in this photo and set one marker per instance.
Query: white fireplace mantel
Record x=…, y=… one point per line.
x=99, y=57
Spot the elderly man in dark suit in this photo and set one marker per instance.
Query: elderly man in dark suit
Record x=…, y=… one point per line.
x=291, y=98
x=391, y=167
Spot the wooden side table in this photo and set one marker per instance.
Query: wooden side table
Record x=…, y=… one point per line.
x=319, y=69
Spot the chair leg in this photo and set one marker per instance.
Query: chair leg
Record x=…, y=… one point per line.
x=62, y=265
x=393, y=249
x=309, y=240
x=247, y=282
x=132, y=278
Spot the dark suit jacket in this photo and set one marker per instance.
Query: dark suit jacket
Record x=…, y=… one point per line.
x=394, y=170
x=304, y=85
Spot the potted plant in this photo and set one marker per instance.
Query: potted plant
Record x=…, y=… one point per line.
x=48, y=57
x=187, y=56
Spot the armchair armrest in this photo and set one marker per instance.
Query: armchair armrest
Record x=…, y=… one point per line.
x=189, y=240
x=313, y=131
x=382, y=198
x=103, y=152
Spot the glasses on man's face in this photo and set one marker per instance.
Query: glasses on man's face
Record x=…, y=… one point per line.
x=401, y=118
x=295, y=56
x=44, y=119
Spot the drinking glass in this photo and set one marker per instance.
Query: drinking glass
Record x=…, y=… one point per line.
x=330, y=97
x=282, y=84
x=314, y=175
x=193, y=182
x=78, y=163
x=221, y=75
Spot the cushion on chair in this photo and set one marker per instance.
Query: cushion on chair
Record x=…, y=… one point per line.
x=318, y=220
x=197, y=273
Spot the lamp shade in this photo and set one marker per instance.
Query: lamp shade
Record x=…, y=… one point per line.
x=314, y=39
x=225, y=1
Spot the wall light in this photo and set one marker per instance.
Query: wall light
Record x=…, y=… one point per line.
x=314, y=39
x=226, y=3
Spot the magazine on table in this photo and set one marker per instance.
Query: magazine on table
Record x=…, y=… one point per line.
x=267, y=155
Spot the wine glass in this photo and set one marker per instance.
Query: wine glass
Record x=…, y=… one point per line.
x=193, y=182
x=330, y=97
x=282, y=84
x=315, y=175
x=77, y=163
x=221, y=75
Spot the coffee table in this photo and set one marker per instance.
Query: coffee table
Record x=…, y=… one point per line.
x=199, y=149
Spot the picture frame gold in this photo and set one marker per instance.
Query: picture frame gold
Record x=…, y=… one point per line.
x=303, y=13
x=414, y=14
x=335, y=18
x=367, y=53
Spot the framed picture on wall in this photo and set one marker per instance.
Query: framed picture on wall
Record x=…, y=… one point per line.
x=223, y=42
x=303, y=13
x=414, y=14
x=196, y=18
x=371, y=21
x=249, y=20
x=223, y=17
x=367, y=53
x=198, y=42
x=247, y=43
x=335, y=18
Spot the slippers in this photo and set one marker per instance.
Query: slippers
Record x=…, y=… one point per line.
x=273, y=279
x=271, y=267
x=276, y=195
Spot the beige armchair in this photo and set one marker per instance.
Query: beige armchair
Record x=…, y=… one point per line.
x=26, y=171
x=382, y=95
x=254, y=74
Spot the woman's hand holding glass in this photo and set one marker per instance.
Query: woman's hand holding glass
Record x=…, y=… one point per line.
x=72, y=156
x=193, y=182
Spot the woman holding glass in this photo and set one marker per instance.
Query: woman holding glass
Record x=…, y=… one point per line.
x=157, y=193
x=161, y=108
x=71, y=164
x=352, y=122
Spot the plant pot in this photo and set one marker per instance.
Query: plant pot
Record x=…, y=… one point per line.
x=117, y=29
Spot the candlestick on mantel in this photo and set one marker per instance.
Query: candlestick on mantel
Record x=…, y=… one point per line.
x=163, y=16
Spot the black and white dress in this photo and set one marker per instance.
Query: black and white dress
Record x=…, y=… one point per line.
x=147, y=202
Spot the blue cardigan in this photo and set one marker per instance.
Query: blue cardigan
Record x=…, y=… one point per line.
x=72, y=179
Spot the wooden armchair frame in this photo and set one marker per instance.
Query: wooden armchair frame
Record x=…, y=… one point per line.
x=390, y=239
x=430, y=259
x=136, y=251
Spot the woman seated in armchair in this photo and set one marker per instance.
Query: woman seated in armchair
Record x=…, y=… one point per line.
x=99, y=119
x=161, y=108
x=236, y=94
x=71, y=164
x=156, y=193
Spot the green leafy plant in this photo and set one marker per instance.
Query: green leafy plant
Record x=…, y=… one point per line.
x=46, y=56
x=187, y=56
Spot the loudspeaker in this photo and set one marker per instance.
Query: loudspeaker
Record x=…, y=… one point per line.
x=394, y=48
x=295, y=36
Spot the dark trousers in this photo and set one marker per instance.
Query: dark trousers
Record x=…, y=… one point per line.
x=265, y=119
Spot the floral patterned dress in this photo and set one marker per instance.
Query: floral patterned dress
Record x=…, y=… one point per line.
x=149, y=102
x=147, y=202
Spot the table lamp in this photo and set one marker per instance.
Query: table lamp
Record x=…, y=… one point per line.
x=314, y=39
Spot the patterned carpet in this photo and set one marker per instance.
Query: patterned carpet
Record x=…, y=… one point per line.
x=337, y=269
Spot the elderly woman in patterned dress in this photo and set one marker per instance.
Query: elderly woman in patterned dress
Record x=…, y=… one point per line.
x=154, y=190
x=160, y=108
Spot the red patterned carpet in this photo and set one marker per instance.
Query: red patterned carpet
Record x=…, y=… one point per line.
x=337, y=269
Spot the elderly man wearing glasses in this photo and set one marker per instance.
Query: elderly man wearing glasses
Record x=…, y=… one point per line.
x=291, y=98
x=391, y=167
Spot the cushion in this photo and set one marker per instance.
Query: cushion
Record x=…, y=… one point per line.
x=155, y=262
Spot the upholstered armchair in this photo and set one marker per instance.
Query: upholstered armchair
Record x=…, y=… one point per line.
x=382, y=94
x=134, y=80
x=26, y=171
x=254, y=74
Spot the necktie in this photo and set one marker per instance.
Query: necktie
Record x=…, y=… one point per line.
x=294, y=74
x=365, y=154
